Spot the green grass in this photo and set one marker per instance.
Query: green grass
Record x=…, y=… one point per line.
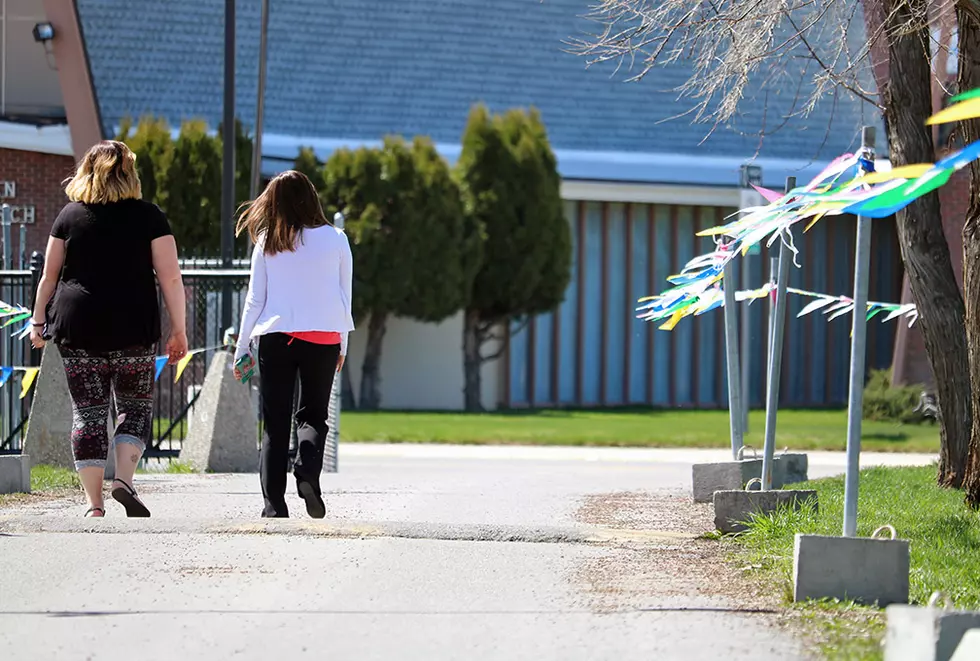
x=161, y=425
x=45, y=480
x=945, y=549
x=178, y=467
x=797, y=429
x=50, y=478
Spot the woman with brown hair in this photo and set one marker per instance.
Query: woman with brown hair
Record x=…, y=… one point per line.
x=299, y=308
x=97, y=301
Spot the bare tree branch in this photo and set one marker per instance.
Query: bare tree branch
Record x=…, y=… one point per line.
x=735, y=50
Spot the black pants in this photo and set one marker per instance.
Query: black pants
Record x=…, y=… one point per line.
x=280, y=358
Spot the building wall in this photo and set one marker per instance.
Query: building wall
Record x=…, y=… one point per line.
x=593, y=351
x=38, y=178
x=29, y=83
x=422, y=366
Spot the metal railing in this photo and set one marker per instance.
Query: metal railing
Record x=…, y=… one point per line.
x=204, y=287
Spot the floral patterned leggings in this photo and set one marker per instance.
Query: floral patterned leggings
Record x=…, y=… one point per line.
x=94, y=376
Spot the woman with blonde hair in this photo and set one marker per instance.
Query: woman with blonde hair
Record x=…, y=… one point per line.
x=97, y=301
x=299, y=308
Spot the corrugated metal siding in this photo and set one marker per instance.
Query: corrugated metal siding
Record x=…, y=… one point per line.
x=592, y=351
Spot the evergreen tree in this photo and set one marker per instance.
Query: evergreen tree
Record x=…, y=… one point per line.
x=411, y=255
x=191, y=189
x=152, y=144
x=307, y=163
x=511, y=191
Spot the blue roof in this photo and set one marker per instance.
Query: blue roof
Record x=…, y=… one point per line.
x=351, y=71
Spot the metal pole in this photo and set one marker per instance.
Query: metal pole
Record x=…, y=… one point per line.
x=735, y=410
x=773, y=269
x=8, y=251
x=23, y=247
x=228, y=161
x=775, y=362
x=330, y=452
x=745, y=353
x=855, y=396
x=259, y=105
x=6, y=355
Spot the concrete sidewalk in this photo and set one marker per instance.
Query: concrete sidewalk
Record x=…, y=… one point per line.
x=428, y=552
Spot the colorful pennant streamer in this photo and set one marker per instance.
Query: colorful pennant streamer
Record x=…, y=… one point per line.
x=30, y=373
x=674, y=308
x=14, y=314
x=849, y=185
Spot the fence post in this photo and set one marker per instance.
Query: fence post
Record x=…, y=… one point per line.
x=37, y=268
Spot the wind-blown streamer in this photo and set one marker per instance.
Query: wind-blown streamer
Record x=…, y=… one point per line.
x=848, y=185
x=965, y=106
x=675, y=308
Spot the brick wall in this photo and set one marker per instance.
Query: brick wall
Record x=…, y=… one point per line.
x=38, y=177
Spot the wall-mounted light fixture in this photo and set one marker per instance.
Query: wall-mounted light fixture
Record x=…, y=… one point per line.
x=43, y=32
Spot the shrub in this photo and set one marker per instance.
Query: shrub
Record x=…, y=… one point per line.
x=884, y=402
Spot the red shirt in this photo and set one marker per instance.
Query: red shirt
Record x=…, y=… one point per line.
x=316, y=337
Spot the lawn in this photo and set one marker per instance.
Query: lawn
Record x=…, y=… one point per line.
x=46, y=480
x=797, y=429
x=945, y=550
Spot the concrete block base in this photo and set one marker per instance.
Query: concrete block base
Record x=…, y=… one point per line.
x=863, y=569
x=969, y=647
x=928, y=634
x=723, y=476
x=222, y=435
x=733, y=508
x=787, y=468
x=15, y=473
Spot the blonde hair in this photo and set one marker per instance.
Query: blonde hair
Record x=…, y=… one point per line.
x=107, y=173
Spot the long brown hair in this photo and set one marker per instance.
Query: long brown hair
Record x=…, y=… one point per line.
x=287, y=205
x=106, y=173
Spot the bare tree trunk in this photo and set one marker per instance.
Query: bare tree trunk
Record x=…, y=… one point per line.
x=968, y=77
x=925, y=252
x=371, y=367
x=472, y=361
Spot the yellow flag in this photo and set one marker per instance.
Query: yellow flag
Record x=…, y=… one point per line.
x=676, y=317
x=28, y=381
x=182, y=365
x=968, y=109
x=913, y=171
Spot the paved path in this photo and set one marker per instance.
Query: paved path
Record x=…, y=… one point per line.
x=428, y=552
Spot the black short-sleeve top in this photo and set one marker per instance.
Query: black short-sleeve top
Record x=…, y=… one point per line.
x=106, y=299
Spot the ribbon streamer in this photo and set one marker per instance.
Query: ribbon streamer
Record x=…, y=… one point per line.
x=675, y=308
x=30, y=374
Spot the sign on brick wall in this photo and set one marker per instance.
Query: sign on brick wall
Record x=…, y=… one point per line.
x=22, y=213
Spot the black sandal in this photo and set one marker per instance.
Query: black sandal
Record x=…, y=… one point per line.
x=126, y=496
x=94, y=509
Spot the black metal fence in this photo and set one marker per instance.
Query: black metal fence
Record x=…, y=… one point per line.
x=205, y=286
x=16, y=288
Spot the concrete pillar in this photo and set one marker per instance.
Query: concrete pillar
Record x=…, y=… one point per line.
x=222, y=433
x=48, y=439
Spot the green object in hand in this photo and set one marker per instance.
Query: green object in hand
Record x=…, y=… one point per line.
x=246, y=367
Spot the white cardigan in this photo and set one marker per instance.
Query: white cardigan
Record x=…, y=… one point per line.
x=308, y=289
